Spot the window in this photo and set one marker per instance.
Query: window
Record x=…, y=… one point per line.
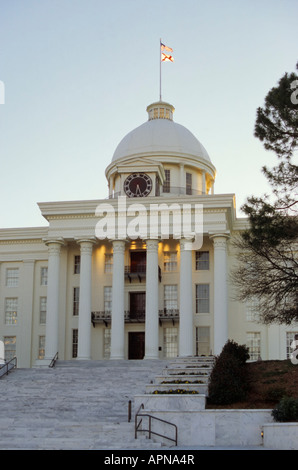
x=170, y=261
x=10, y=343
x=107, y=299
x=75, y=337
x=108, y=263
x=11, y=311
x=253, y=342
x=170, y=342
x=170, y=297
x=252, y=310
x=107, y=343
x=188, y=183
x=202, y=298
x=291, y=337
x=77, y=264
x=42, y=310
x=167, y=183
x=76, y=300
x=44, y=276
x=12, y=277
x=202, y=260
x=41, y=347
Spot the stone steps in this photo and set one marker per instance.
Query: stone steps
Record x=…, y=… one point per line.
x=76, y=405
x=173, y=399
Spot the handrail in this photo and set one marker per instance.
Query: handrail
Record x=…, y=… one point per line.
x=137, y=425
x=53, y=361
x=13, y=363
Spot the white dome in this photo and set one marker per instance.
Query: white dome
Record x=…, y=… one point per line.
x=160, y=136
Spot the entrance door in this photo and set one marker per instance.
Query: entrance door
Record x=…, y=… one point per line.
x=136, y=345
x=137, y=305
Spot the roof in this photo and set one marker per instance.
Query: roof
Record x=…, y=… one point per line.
x=160, y=136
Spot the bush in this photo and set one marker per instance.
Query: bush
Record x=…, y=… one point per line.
x=240, y=352
x=286, y=410
x=228, y=379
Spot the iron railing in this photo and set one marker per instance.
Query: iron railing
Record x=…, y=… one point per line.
x=53, y=361
x=136, y=316
x=9, y=365
x=138, y=272
x=166, y=189
x=149, y=430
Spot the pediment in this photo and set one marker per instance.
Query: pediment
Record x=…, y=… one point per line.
x=141, y=165
x=139, y=162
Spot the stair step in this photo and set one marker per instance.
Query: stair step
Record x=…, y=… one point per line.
x=76, y=405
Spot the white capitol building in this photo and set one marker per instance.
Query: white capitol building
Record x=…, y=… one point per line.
x=116, y=278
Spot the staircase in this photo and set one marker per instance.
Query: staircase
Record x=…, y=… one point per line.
x=181, y=389
x=76, y=405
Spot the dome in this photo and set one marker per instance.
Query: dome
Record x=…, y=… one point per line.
x=160, y=135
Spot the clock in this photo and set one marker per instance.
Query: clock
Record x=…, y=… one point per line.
x=138, y=185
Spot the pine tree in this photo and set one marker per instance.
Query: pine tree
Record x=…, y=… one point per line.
x=268, y=251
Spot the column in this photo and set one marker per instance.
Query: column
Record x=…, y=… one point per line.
x=220, y=291
x=182, y=189
x=117, y=322
x=52, y=319
x=151, y=319
x=84, y=339
x=203, y=182
x=185, y=306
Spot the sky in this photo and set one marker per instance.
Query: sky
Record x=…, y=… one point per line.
x=79, y=74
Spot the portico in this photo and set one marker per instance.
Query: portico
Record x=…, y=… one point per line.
x=150, y=282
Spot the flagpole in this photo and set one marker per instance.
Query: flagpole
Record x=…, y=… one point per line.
x=160, y=70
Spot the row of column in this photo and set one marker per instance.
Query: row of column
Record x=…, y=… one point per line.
x=151, y=318
x=52, y=322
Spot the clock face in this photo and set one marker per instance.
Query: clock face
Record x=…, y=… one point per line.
x=138, y=185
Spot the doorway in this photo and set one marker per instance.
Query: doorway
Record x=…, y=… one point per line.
x=136, y=344
x=138, y=261
x=137, y=305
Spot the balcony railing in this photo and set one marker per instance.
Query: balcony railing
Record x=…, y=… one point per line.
x=138, y=272
x=136, y=316
x=165, y=190
x=181, y=191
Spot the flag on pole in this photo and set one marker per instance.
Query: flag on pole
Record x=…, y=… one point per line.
x=165, y=48
x=166, y=58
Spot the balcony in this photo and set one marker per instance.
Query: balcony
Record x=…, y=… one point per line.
x=136, y=316
x=138, y=272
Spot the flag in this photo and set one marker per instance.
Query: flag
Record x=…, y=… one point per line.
x=165, y=48
x=166, y=58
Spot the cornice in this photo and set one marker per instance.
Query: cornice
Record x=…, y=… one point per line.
x=176, y=158
x=23, y=235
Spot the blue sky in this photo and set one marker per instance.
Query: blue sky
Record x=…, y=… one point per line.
x=79, y=74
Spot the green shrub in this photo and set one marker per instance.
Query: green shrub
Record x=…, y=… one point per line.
x=286, y=410
x=240, y=352
x=228, y=379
